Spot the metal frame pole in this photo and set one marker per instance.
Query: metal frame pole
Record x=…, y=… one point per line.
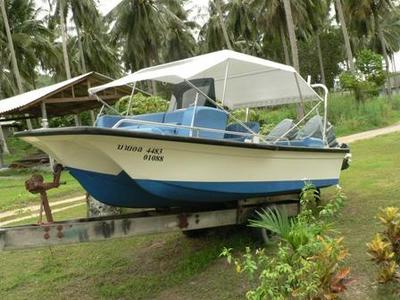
x=130, y=99
x=326, y=92
x=225, y=81
x=222, y=108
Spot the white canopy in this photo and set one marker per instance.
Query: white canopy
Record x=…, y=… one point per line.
x=251, y=81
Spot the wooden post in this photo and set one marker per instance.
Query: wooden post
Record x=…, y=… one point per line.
x=3, y=147
x=77, y=120
x=45, y=122
x=92, y=117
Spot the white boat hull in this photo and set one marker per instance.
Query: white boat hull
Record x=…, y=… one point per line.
x=183, y=170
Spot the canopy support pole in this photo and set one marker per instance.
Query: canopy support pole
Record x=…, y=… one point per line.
x=194, y=113
x=225, y=81
x=106, y=105
x=326, y=92
x=247, y=114
x=131, y=99
x=222, y=108
x=300, y=95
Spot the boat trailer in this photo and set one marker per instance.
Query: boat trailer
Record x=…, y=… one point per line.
x=132, y=224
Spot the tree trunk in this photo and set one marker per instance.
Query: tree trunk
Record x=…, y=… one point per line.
x=14, y=63
x=81, y=53
x=345, y=35
x=64, y=42
x=293, y=47
x=321, y=62
x=384, y=52
x=284, y=45
x=222, y=23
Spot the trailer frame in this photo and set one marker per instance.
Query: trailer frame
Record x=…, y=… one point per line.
x=139, y=223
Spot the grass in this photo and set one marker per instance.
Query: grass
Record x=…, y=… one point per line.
x=18, y=149
x=170, y=266
x=12, y=182
x=344, y=113
x=13, y=194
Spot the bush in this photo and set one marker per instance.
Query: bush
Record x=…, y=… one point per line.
x=384, y=249
x=141, y=104
x=308, y=261
x=368, y=78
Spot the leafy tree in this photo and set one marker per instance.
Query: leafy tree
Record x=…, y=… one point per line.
x=342, y=21
x=31, y=42
x=368, y=77
x=332, y=55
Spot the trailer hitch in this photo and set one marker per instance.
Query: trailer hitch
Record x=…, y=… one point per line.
x=36, y=185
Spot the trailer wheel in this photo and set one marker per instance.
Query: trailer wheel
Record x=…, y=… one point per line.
x=262, y=235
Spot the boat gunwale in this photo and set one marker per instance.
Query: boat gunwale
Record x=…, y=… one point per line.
x=88, y=130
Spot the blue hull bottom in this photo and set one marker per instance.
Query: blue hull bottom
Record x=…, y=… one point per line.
x=121, y=190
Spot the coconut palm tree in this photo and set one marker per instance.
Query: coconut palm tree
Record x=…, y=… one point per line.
x=211, y=36
x=349, y=52
x=218, y=6
x=11, y=47
x=140, y=30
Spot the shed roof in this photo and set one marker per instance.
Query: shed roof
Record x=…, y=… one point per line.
x=63, y=98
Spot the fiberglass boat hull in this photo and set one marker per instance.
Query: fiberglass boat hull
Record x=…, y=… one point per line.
x=136, y=169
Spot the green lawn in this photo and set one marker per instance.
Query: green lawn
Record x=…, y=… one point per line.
x=170, y=266
x=13, y=194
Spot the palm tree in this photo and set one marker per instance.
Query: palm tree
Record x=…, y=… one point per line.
x=294, y=48
x=211, y=37
x=64, y=39
x=140, y=30
x=11, y=47
x=218, y=7
x=340, y=14
x=292, y=35
x=178, y=42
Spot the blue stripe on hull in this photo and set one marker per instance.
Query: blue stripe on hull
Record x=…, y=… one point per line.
x=121, y=190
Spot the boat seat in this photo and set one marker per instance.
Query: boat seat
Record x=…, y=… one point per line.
x=281, y=128
x=237, y=127
x=206, y=117
x=110, y=120
x=314, y=128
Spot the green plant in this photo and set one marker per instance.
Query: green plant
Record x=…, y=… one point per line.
x=369, y=76
x=307, y=264
x=141, y=104
x=384, y=249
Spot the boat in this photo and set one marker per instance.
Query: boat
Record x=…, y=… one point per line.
x=198, y=153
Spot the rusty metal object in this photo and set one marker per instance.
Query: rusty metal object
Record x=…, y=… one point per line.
x=36, y=185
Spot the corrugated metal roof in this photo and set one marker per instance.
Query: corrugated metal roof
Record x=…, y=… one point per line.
x=21, y=100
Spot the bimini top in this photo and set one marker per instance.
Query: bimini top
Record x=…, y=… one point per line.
x=251, y=81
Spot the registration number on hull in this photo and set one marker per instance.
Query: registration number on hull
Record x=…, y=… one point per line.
x=153, y=154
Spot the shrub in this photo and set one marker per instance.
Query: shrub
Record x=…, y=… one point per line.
x=308, y=261
x=368, y=78
x=141, y=104
x=384, y=249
